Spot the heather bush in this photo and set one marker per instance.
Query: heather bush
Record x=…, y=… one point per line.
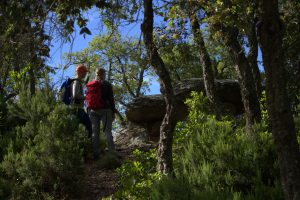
x=44, y=158
x=137, y=176
x=218, y=160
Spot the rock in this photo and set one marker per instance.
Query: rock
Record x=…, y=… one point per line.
x=146, y=113
x=146, y=109
x=151, y=108
x=132, y=136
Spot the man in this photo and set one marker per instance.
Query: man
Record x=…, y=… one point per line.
x=78, y=98
x=105, y=114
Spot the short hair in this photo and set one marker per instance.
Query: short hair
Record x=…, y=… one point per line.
x=81, y=68
x=100, y=71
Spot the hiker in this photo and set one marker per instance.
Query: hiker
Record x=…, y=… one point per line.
x=77, y=98
x=104, y=112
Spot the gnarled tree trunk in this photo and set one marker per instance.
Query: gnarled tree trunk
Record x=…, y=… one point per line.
x=248, y=90
x=270, y=31
x=253, y=50
x=208, y=75
x=164, y=165
x=252, y=58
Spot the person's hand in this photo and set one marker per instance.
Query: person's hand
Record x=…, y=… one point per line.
x=113, y=116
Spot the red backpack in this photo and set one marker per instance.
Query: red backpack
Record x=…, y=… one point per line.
x=94, y=95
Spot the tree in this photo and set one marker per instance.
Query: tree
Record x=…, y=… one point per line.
x=26, y=31
x=230, y=32
x=270, y=31
x=174, y=44
x=245, y=77
x=124, y=59
x=179, y=13
x=250, y=32
x=208, y=75
x=291, y=45
x=182, y=59
x=167, y=127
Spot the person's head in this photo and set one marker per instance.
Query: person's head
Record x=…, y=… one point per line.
x=100, y=73
x=81, y=71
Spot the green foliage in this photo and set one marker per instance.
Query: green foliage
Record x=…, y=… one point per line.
x=33, y=108
x=221, y=59
x=182, y=60
x=137, y=176
x=5, y=126
x=44, y=159
x=3, y=114
x=5, y=187
x=124, y=59
x=16, y=78
x=263, y=105
x=297, y=120
x=291, y=46
x=219, y=160
x=212, y=160
x=169, y=188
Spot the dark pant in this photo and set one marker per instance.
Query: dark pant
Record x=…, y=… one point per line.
x=84, y=119
x=106, y=117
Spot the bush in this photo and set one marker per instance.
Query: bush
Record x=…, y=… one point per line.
x=3, y=126
x=169, y=188
x=137, y=176
x=217, y=159
x=297, y=120
x=44, y=160
x=212, y=160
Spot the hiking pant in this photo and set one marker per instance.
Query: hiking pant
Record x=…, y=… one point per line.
x=106, y=117
x=84, y=119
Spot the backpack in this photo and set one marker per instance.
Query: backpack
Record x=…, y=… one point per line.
x=65, y=91
x=94, y=95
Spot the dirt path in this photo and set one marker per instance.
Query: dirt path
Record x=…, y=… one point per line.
x=101, y=181
x=98, y=182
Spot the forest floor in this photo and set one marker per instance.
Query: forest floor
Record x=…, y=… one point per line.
x=101, y=179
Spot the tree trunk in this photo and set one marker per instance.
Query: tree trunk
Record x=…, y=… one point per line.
x=248, y=91
x=140, y=81
x=208, y=75
x=253, y=51
x=125, y=78
x=165, y=164
x=252, y=58
x=270, y=31
x=109, y=71
x=32, y=81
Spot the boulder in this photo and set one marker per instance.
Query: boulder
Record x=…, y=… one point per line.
x=151, y=108
x=133, y=136
x=145, y=113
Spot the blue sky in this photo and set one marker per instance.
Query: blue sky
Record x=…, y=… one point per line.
x=80, y=42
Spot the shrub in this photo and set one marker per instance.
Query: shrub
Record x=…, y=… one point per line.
x=297, y=120
x=44, y=160
x=137, y=176
x=4, y=127
x=169, y=188
x=217, y=159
